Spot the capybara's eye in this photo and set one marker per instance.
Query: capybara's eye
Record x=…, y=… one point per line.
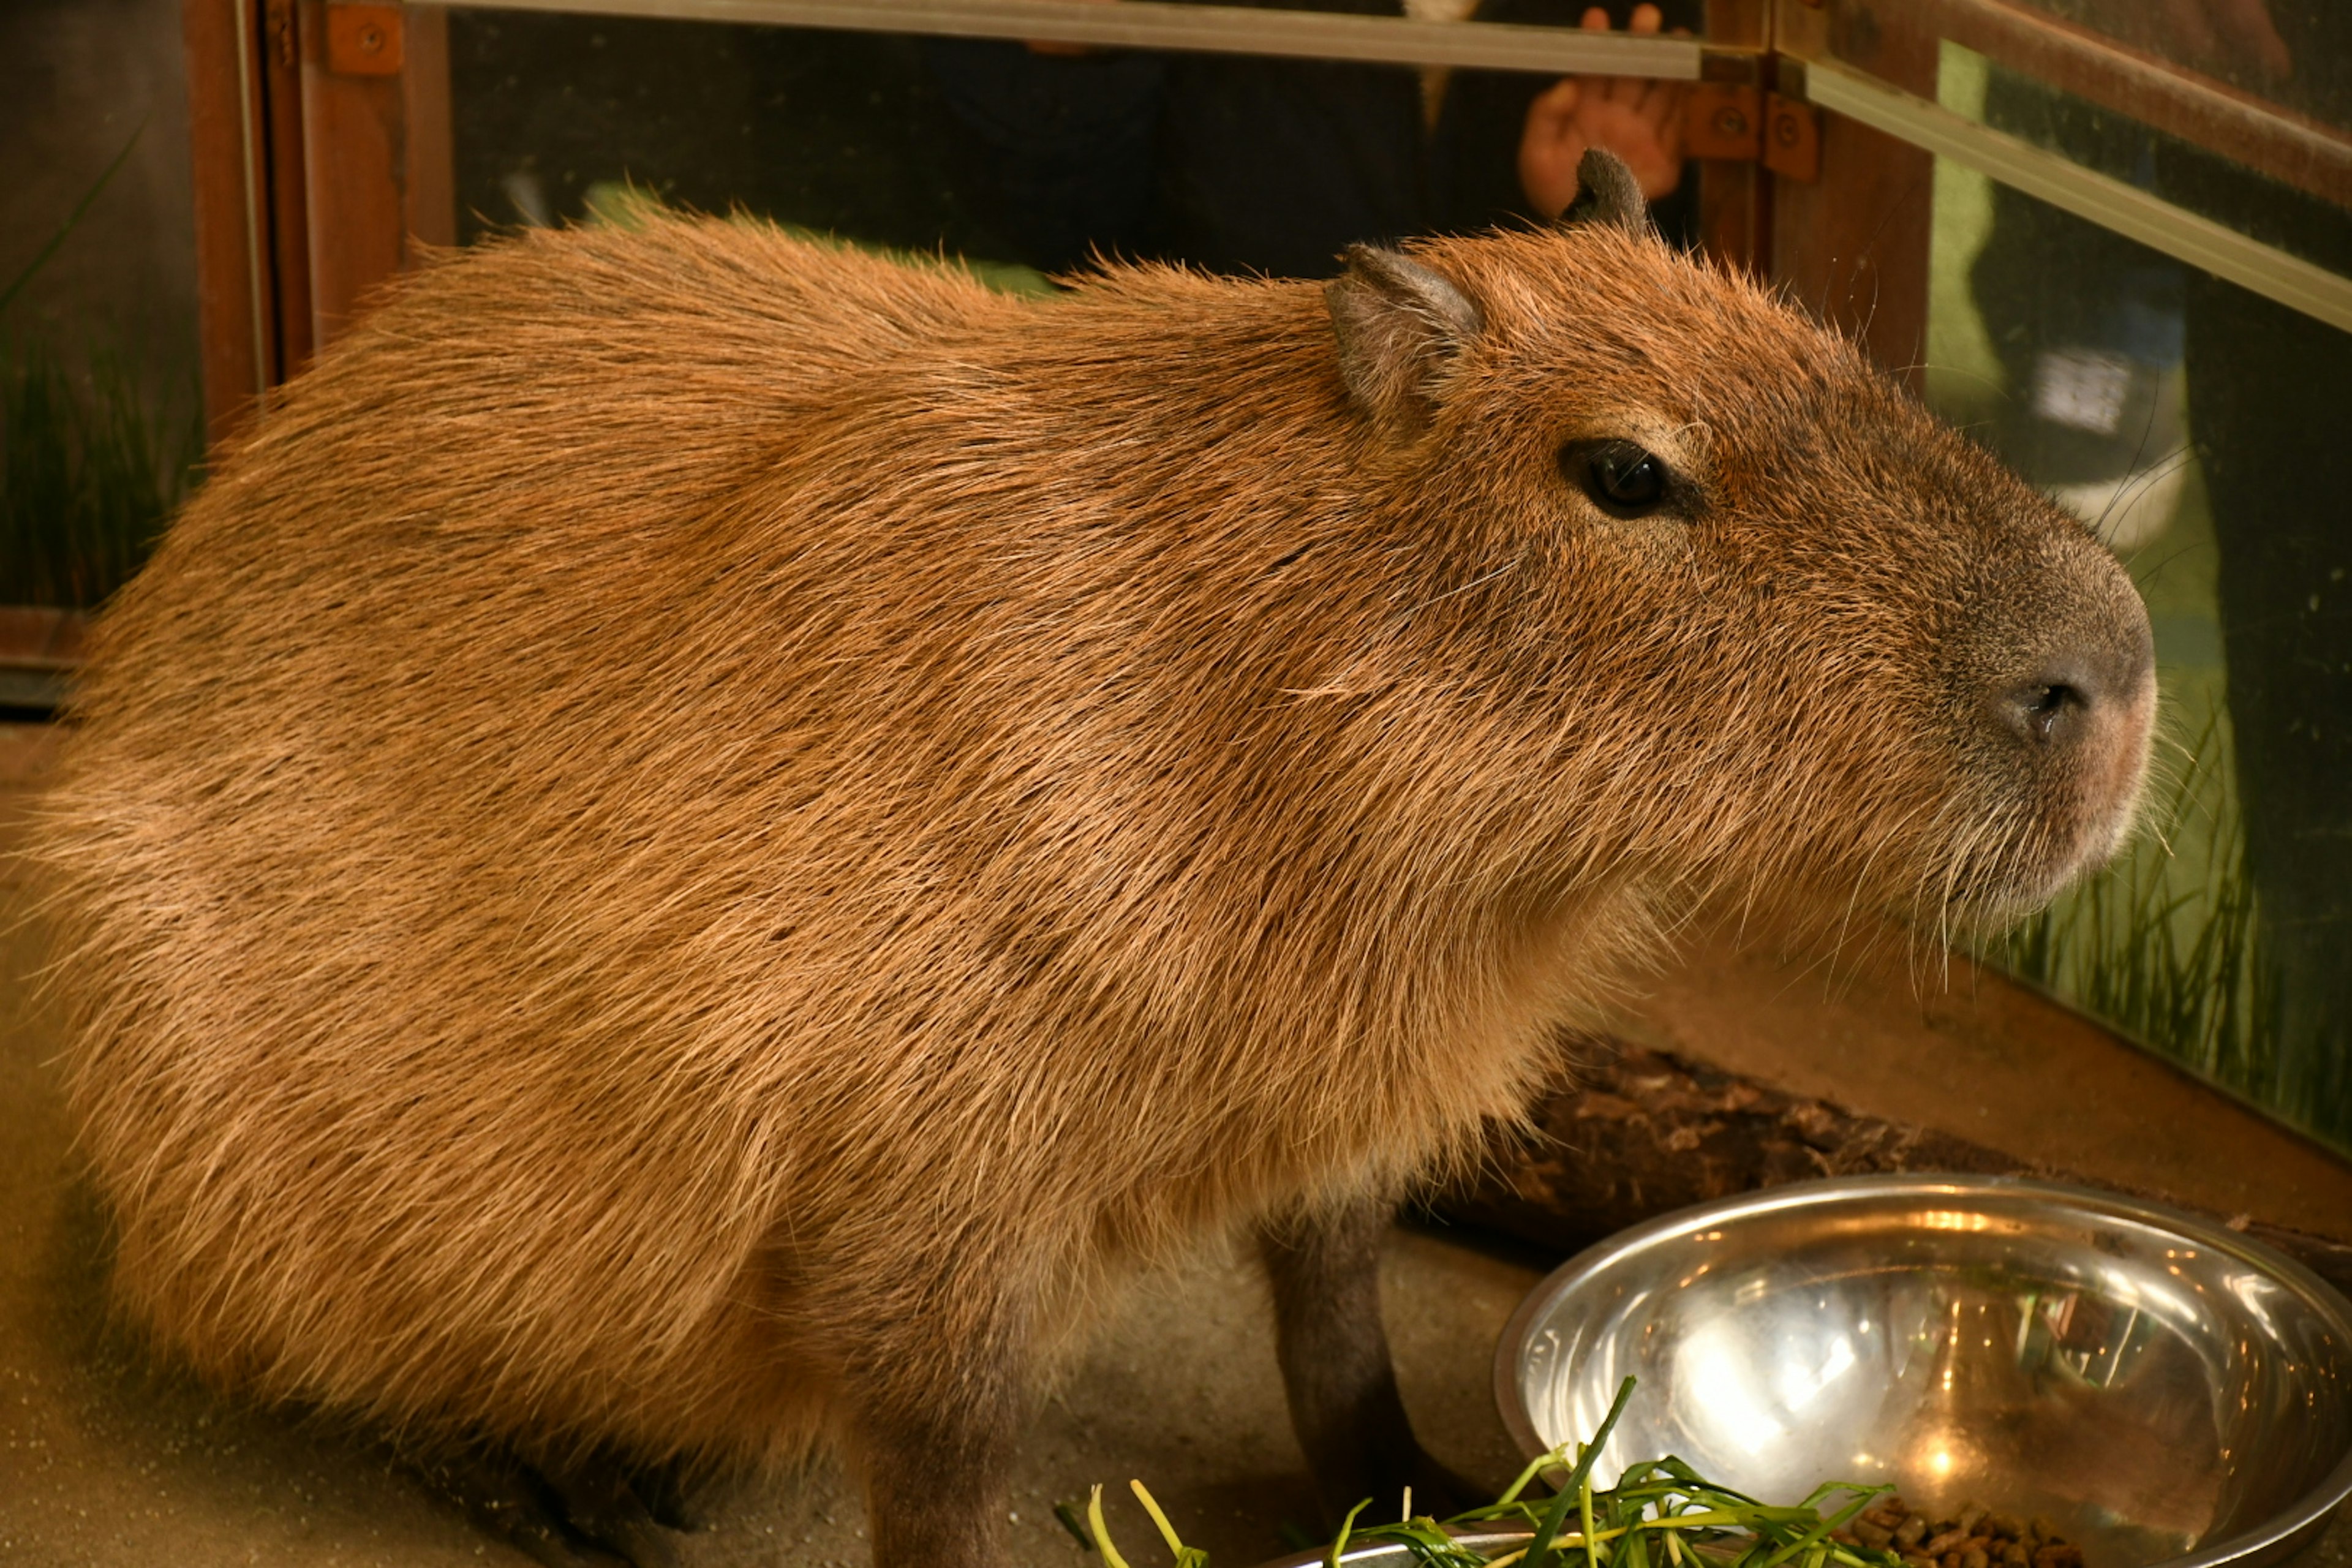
x=1622, y=480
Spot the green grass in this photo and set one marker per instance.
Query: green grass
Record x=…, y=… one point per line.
x=2166, y=942
x=91, y=462
x=92, y=465
x=1661, y=1514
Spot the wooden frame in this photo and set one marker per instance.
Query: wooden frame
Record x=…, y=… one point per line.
x=1735, y=194
x=1852, y=245
x=2115, y=204
x=253, y=300
x=318, y=175
x=1216, y=28
x=1855, y=246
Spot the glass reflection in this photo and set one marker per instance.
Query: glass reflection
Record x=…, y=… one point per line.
x=1040, y=156
x=2195, y=424
x=2297, y=53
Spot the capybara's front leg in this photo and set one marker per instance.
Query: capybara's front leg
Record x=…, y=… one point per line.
x=939, y=1406
x=1334, y=1349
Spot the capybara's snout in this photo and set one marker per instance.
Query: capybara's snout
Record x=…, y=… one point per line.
x=2064, y=708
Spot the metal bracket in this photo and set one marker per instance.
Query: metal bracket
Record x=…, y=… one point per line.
x=1792, y=138
x=1723, y=120
x=1735, y=120
x=363, y=40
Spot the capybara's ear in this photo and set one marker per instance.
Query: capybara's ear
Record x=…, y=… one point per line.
x=1607, y=193
x=1399, y=325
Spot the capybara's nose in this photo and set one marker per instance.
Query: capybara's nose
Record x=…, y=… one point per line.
x=2080, y=696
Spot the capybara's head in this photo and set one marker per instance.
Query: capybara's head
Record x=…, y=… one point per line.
x=1775, y=629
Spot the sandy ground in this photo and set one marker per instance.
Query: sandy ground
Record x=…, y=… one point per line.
x=107, y=1461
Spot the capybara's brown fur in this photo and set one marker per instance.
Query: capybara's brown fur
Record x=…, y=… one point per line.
x=702, y=833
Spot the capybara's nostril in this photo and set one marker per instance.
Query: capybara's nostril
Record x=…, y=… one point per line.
x=2048, y=712
x=2068, y=697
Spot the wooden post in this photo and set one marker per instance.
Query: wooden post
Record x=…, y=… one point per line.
x=1852, y=245
x=290, y=225
x=430, y=175
x=1734, y=193
x=321, y=139
x=231, y=302
x=376, y=137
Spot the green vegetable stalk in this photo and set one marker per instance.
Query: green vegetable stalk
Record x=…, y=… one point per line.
x=1660, y=1514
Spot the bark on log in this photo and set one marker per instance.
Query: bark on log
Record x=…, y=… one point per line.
x=1642, y=1132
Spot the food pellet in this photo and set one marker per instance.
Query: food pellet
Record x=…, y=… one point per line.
x=1971, y=1538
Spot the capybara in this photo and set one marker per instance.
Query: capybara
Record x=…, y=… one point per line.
x=699, y=837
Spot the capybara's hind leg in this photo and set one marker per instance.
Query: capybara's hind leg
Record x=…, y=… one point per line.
x=1324, y=1266
x=935, y=1419
x=583, y=1515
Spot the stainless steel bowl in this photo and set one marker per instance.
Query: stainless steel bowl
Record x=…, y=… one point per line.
x=1492, y=1543
x=2161, y=1389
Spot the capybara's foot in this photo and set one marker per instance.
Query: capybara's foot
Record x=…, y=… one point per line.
x=588, y=1515
x=603, y=1506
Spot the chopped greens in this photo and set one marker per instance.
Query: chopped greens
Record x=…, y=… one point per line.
x=1660, y=1514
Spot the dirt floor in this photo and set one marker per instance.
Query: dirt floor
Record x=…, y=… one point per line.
x=107, y=1461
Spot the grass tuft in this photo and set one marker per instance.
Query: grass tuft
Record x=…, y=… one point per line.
x=91, y=468
x=2167, y=947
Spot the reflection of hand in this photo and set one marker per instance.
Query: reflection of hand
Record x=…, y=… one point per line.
x=1638, y=119
x=1056, y=47
x=2237, y=31
x=2225, y=37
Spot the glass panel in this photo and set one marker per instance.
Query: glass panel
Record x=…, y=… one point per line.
x=2198, y=427
x=2295, y=53
x=101, y=412
x=2166, y=167
x=1031, y=156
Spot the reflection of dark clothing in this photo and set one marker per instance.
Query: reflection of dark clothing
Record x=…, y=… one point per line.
x=1062, y=146
x=1228, y=162
x=1270, y=165
x=2268, y=387
x=2319, y=85
x=2318, y=38
x=2267, y=391
x=1236, y=163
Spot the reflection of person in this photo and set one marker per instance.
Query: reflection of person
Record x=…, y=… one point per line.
x=1551, y=122
x=1275, y=165
x=2265, y=387
x=2088, y=326
x=1639, y=119
x=2267, y=391
x=2268, y=388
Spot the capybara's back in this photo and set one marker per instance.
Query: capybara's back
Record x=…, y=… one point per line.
x=701, y=831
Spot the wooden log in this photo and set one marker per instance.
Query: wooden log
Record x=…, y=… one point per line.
x=1642, y=1132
